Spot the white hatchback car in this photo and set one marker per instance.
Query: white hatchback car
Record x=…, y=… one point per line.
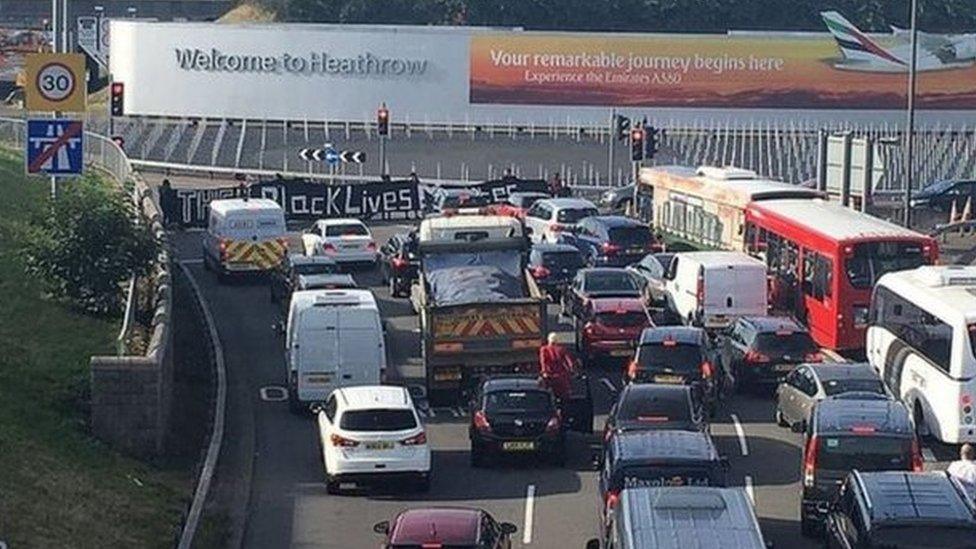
x=547, y=218
x=373, y=432
x=344, y=240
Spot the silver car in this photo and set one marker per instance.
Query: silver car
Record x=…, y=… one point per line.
x=808, y=384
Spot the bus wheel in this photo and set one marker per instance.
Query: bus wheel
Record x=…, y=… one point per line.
x=921, y=429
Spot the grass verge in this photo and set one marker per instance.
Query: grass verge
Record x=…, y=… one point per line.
x=59, y=487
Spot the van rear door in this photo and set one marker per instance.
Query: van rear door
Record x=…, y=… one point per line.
x=317, y=353
x=362, y=355
x=254, y=226
x=734, y=290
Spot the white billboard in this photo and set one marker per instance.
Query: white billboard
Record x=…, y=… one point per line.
x=456, y=75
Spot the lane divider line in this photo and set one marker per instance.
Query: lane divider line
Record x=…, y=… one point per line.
x=750, y=491
x=197, y=261
x=741, y=433
x=529, y=512
x=608, y=384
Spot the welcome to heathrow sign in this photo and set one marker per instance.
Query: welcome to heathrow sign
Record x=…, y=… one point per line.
x=365, y=64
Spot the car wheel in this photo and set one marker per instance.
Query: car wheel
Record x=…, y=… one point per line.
x=393, y=287
x=558, y=457
x=294, y=406
x=331, y=485
x=780, y=420
x=921, y=429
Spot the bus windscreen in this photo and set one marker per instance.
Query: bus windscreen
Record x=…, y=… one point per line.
x=870, y=260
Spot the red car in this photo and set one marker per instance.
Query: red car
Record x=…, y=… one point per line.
x=611, y=326
x=454, y=527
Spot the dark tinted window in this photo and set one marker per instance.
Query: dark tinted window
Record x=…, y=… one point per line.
x=867, y=452
x=562, y=260
x=657, y=406
x=837, y=386
x=631, y=237
x=378, y=420
x=315, y=268
x=573, y=215
x=621, y=320
x=350, y=229
x=785, y=343
x=611, y=281
x=873, y=259
x=917, y=536
x=681, y=357
x=926, y=334
x=518, y=401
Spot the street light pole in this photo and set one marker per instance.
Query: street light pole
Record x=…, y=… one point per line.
x=910, y=126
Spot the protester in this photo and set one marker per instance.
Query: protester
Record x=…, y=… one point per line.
x=557, y=367
x=167, y=202
x=964, y=469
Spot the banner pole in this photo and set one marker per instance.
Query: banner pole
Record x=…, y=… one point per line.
x=610, y=139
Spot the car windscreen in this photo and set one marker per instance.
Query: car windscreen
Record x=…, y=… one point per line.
x=378, y=420
x=684, y=358
x=864, y=452
x=631, y=237
x=917, y=536
x=655, y=407
x=794, y=344
x=627, y=319
x=658, y=476
x=315, y=268
x=346, y=229
x=517, y=402
x=838, y=386
x=571, y=260
x=573, y=215
x=607, y=282
x=871, y=260
x=464, y=201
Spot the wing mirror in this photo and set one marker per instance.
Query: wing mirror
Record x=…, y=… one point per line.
x=382, y=527
x=593, y=544
x=798, y=427
x=508, y=528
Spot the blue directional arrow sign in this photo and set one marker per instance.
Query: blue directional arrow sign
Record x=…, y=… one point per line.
x=332, y=156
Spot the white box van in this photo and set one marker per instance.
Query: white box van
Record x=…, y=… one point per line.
x=244, y=235
x=711, y=289
x=334, y=338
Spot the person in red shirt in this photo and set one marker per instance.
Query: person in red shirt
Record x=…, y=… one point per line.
x=557, y=367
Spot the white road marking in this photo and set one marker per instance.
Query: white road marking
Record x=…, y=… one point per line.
x=416, y=330
x=741, y=433
x=749, y=491
x=927, y=455
x=273, y=393
x=454, y=412
x=608, y=384
x=529, y=511
x=197, y=261
x=431, y=412
x=832, y=355
x=460, y=412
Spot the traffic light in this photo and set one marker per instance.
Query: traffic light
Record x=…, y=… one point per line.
x=637, y=144
x=652, y=141
x=118, y=91
x=383, y=121
x=622, y=123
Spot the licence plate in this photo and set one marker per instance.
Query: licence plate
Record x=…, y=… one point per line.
x=518, y=446
x=318, y=379
x=784, y=367
x=379, y=445
x=669, y=379
x=349, y=246
x=447, y=376
x=621, y=352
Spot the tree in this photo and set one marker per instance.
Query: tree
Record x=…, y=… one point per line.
x=85, y=244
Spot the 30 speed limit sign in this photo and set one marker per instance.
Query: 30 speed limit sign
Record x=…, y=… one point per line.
x=55, y=82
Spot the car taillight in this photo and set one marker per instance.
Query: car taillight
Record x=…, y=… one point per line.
x=328, y=248
x=655, y=247
x=400, y=263
x=810, y=461
x=918, y=464
x=553, y=425
x=590, y=328
x=481, y=422
x=223, y=249
x=813, y=357
x=755, y=357
x=609, y=248
x=557, y=228
x=540, y=272
x=371, y=246
x=700, y=290
x=706, y=369
x=343, y=442
x=611, y=498
x=416, y=440
x=632, y=368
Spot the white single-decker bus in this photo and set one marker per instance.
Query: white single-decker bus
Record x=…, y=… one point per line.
x=922, y=340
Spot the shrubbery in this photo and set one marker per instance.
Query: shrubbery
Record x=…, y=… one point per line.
x=85, y=245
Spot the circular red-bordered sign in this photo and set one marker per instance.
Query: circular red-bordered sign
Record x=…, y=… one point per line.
x=56, y=82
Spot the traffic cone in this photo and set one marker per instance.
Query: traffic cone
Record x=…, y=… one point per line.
x=952, y=213
x=967, y=210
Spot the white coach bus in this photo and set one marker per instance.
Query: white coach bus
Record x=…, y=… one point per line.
x=922, y=340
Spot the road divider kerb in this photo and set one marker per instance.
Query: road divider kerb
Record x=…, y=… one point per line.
x=217, y=436
x=529, y=514
x=741, y=433
x=749, y=490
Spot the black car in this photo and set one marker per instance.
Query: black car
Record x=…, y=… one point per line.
x=399, y=262
x=612, y=240
x=597, y=282
x=553, y=266
x=618, y=198
x=897, y=510
x=845, y=434
x=657, y=459
x=677, y=355
x=515, y=415
x=284, y=278
x=808, y=384
x=761, y=350
x=447, y=200
x=942, y=194
x=654, y=407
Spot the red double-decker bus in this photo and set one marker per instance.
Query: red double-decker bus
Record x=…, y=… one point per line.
x=823, y=260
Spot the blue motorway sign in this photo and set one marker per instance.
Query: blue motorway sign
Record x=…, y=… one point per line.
x=332, y=156
x=55, y=146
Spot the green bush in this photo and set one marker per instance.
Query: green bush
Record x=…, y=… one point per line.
x=85, y=245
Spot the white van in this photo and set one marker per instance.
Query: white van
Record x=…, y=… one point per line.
x=334, y=338
x=244, y=235
x=711, y=289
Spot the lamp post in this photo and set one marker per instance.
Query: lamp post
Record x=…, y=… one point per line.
x=910, y=126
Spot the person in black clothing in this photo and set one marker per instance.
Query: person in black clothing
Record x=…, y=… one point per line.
x=167, y=202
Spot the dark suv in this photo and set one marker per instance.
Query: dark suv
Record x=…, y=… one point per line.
x=654, y=407
x=613, y=240
x=515, y=415
x=761, y=350
x=553, y=266
x=898, y=510
x=677, y=355
x=844, y=434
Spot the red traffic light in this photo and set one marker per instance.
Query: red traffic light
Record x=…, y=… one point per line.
x=637, y=134
x=383, y=114
x=117, y=88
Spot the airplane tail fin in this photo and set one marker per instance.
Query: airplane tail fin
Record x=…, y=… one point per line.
x=854, y=44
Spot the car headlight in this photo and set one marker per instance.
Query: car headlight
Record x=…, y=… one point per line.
x=860, y=316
